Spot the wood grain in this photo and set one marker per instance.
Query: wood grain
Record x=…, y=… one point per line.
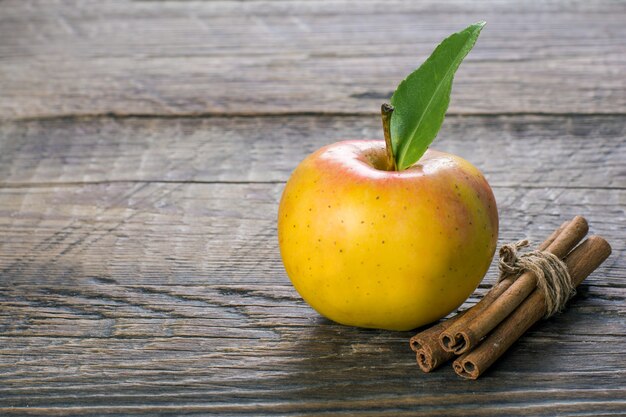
x=165, y=233
x=198, y=58
x=526, y=151
x=179, y=286
x=139, y=265
x=149, y=280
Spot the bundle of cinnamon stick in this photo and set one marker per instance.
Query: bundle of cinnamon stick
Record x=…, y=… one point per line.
x=481, y=334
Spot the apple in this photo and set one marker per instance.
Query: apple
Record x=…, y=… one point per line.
x=390, y=234
x=371, y=247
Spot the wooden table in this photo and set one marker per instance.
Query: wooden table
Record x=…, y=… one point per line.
x=143, y=149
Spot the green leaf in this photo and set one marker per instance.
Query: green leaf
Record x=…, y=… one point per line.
x=421, y=100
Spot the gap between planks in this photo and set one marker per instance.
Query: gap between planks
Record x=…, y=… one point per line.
x=19, y=185
x=278, y=114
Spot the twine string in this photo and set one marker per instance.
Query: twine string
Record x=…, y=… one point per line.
x=553, y=278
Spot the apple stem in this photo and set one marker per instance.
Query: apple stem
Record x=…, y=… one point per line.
x=386, y=110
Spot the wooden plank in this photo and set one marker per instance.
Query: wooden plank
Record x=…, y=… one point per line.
x=296, y=372
x=192, y=58
x=164, y=233
x=528, y=151
x=220, y=310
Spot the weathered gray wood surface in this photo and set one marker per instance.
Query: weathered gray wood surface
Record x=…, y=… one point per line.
x=122, y=57
x=139, y=268
x=533, y=151
x=174, y=288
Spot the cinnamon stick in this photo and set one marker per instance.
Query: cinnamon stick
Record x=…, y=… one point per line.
x=580, y=263
x=463, y=336
x=428, y=350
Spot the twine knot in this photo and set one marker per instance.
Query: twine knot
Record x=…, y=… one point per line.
x=553, y=278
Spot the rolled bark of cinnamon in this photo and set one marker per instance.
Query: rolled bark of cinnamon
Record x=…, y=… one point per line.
x=580, y=263
x=428, y=350
x=464, y=335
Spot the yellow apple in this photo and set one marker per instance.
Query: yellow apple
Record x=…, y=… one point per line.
x=385, y=249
